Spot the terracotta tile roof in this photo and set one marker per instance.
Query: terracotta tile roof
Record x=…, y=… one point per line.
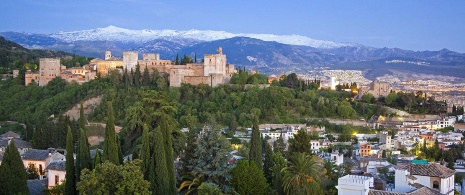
x=432, y=170
x=411, y=177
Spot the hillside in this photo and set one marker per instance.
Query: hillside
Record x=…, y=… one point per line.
x=15, y=56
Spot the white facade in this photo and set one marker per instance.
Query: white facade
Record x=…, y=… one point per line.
x=354, y=185
x=55, y=177
x=337, y=158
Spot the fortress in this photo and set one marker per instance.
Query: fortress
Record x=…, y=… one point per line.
x=213, y=71
x=377, y=88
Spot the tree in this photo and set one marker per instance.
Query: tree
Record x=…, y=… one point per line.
x=145, y=154
x=302, y=176
x=211, y=157
x=158, y=168
x=13, y=177
x=110, y=147
x=256, y=145
x=247, y=178
x=368, y=98
x=390, y=98
x=268, y=162
x=279, y=145
x=191, y=184
x=300, y=142
x=70, y=185
x=97, y=158
x=278, y=164
x=83, y=160
x=108, y=178
x=82, y=119
x=176, y=62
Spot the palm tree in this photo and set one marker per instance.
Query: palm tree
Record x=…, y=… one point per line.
x=302, y=176
x=191, y=183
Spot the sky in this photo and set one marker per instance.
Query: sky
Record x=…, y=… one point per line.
x=412, y=24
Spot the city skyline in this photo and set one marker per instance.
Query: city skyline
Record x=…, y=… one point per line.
x=413, y=25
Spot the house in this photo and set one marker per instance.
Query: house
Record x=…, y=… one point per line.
x=433, y=175
x=9, y=135
x=40, y=159
x=364, y=185
x=459, y=127
x=56, y=173
x=23, y=146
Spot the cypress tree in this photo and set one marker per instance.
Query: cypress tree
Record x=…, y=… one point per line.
x=177, y=60
x=97, y=158
x=13, y=176
x=255, y=154
x=145, y=152
x=168, y=148
x=82, y=119
x=120, y=154
x=110, y=147
x=70, y=185
x=160, y=183
x=268, y=162
x=83, y=160
x=195, y=57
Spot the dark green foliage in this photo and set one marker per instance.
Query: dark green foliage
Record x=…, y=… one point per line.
x=243, y=77
x=13, y=178
x=255, y=154
x=108, y=178
x=279, y=145
x=70, y=186
x=82, y=118
x=279, y=162
x=268, y=162
x=145, y=154
x=159, y=180
x=300, y=142
x=247, y=178
x=83, y=160
x=211, y=157
x=110, y=147
x=97, y=158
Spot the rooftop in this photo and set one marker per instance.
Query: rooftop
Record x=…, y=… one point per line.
x=19, y=143
x=433, y=170
x=10, y=134
x=34, y=154
x=57, y=165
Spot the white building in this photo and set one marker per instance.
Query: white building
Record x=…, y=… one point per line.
x=56, y=173
x=434, y=176
x=337, y=158
x=354, y=185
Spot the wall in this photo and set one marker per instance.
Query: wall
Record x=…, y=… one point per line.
x=51, y=177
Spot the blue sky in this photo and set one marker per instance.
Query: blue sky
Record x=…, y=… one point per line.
x=412, y=24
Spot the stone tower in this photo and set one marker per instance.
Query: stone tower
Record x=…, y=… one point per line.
x=107, y=55
x=130, y=59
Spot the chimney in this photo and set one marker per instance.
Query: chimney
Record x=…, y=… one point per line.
x=9, y=141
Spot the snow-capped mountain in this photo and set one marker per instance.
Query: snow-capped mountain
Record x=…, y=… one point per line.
x=113, y=33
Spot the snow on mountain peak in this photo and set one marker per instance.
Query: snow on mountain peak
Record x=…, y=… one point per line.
x=114, y=33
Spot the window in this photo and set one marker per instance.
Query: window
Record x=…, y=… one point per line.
x=57, y=179
x=435, y=184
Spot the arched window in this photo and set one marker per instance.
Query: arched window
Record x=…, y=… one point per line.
x=435, y=184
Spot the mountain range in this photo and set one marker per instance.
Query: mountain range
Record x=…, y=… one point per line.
x=267, y=53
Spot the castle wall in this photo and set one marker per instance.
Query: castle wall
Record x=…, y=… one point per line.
x=105, y=66
x=30, y=76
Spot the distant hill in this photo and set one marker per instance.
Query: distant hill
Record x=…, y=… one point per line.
x=14, y=56
x=264, y=52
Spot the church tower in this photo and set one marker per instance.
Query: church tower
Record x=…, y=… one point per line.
x=107, y=55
